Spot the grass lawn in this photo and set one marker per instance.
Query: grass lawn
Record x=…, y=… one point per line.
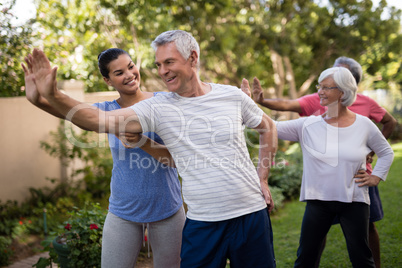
x=286, y=226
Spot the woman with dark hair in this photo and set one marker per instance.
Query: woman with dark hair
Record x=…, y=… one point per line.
x=145, y=193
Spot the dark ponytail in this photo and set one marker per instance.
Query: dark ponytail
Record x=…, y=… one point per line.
x=107, y=56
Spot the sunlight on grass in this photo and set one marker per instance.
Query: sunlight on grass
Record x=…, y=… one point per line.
x=397, y=150
x=390, y=226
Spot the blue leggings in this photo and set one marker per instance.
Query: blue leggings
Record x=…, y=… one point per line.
x=317, y=220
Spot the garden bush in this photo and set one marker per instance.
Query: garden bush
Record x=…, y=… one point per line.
x=82, y=233
x=5, y=251
x=98, y=162
x=287, y=171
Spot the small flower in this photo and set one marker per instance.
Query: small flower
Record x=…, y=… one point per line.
x=83, y=232
x=68, y=227
x=21, y=223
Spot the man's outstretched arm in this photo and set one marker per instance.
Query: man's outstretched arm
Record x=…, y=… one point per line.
x=81, y=114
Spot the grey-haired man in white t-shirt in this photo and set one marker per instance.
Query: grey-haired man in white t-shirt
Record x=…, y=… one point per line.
x=202, y=127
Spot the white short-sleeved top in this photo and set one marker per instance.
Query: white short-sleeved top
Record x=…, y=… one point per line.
x=205, y=136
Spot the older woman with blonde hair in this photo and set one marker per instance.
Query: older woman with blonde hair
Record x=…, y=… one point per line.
x=335, y=183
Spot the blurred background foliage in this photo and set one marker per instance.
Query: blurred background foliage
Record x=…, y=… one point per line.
x=284, y=43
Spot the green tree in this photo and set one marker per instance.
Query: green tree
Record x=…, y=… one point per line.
x=284, y=43
x=15, y=43
x=73, y=33
x=303, y=38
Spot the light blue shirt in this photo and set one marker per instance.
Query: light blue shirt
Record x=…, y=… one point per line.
x=142, y=189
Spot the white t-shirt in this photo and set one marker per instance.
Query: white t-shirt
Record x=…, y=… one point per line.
x=205, y=136
x=332, y=156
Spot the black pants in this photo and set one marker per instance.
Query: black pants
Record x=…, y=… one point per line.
x=317, y=220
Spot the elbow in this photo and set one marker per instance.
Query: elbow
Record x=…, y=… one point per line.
x=394, y=123
x=386, y=155
x=391, y=124
x=268, y=132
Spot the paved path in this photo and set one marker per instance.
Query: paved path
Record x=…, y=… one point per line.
x=28, y=262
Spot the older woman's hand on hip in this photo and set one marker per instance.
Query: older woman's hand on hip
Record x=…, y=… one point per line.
x=364, y=179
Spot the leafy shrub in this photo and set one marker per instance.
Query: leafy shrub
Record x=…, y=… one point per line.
x=287, y=171
x=277, y=196
x=82, y=233
x=47, y=207
x=69, y=145
x=5, y=251
x=10, y=213
x=98, y=167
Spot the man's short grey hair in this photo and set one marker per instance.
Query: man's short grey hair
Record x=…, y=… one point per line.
x=354, y=67
x=345, y=82
x=185, y=43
